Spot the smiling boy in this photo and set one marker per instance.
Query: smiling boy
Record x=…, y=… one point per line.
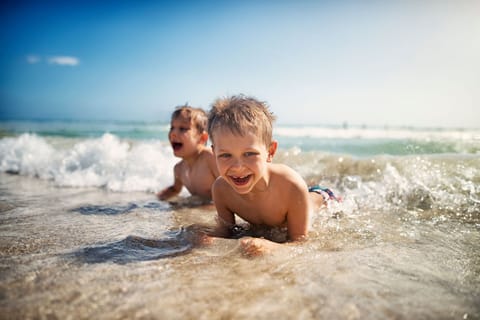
x=260, y=192
x=197, y=169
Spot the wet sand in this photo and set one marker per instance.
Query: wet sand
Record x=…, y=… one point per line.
x=86, y=253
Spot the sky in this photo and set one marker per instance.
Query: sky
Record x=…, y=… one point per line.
x=374, y=63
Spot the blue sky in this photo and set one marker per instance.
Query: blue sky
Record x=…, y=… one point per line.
x=412, y=63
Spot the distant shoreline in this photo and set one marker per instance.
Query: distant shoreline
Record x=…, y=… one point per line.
x=344, y=125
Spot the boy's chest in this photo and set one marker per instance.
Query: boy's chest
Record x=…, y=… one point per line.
x=262, y=212
x=196, y=175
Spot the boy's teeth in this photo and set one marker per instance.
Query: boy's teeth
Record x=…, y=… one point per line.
x=240, y=180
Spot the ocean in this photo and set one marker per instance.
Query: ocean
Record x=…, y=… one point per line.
x=83, y=236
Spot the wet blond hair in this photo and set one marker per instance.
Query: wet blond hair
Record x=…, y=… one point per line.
x=196, y=116
x=241, y=115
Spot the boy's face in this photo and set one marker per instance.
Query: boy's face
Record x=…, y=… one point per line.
x=184, y=137
x=241, y=160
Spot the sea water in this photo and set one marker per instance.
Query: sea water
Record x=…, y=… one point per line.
x=83, y=236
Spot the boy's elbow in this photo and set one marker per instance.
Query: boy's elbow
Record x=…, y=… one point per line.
x=298, y=238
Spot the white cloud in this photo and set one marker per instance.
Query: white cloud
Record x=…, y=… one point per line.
x=64, y=60
x=32, y=59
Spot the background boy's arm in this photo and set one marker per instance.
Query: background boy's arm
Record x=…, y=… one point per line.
x=174, y=189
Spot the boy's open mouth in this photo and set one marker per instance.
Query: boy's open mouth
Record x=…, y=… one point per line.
x=240, y=181
x=177, y=146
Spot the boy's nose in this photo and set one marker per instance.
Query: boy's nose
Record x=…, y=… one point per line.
x=237, y=164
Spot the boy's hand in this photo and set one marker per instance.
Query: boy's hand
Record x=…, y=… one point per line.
x=254, y=247
x=167, y=193
x=199, y=235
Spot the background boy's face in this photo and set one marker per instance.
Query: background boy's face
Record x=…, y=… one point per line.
x=183, y=136
x=241, y=160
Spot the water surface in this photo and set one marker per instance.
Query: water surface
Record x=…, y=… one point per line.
x=82, y=235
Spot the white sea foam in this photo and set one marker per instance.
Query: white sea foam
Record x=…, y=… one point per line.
x=28, y=154
x=106, y=162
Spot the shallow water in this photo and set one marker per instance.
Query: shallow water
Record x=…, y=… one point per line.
x=85, y=253
x=82, y=235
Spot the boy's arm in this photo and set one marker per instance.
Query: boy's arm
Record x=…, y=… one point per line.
x=225, y=218
x=298, y=213
x=297, y=224
x=174, y=189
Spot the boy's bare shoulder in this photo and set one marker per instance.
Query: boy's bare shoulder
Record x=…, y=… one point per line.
x=179, y=165
x=219, y=184
x=208, y=158
x=286, y=176
x=287, y=173
x=206, y=152
x=221, y=188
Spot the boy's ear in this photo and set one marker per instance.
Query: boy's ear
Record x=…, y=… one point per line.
x=204, y=137
x=271, y=150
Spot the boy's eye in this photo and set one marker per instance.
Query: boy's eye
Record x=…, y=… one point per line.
x=224, y=155
x=250, y=154
x=179, y=129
